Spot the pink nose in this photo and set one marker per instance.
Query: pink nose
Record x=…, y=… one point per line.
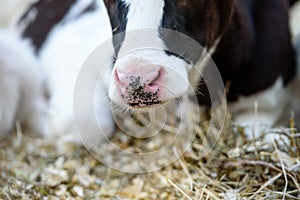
x=140, y=86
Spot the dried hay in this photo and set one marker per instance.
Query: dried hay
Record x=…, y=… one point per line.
x=236, y=168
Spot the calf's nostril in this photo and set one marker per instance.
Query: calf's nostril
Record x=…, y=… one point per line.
x=156, y=79
x=155, y=83
x=146, y=79
x=118, y=77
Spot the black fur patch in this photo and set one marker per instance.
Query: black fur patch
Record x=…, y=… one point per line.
x=256, y=49
x=49, y=13
x=171, y=18
x=117, y=11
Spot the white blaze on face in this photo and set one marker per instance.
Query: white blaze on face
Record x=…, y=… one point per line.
x=142, y=44
x=144, y=14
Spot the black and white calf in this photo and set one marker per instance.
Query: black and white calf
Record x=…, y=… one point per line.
x=249, y=40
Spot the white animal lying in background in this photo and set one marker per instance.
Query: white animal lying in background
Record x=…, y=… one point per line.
x=82, y=28
x=22, y=86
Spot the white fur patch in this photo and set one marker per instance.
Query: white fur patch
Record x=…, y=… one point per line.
x=12, y=10
x=77, y=9
x=294, y=19
x=144, y=14
x=22, y=86
x=262, y=110
x=63, y=55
